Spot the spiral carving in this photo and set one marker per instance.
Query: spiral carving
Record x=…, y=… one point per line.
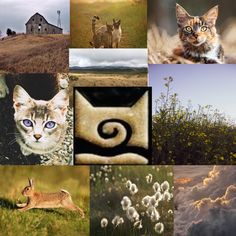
x=114, y=132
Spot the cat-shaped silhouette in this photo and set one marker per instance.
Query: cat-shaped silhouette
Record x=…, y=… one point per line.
x=111, y=128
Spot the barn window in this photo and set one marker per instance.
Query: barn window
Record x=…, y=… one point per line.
x=41, y=19
x=33, y=19
x=45, y=29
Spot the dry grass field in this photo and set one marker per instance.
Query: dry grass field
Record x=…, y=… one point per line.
x=106, y=79
x=34, y=53
x=133, y=21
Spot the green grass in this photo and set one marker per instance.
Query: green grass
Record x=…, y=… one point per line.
x=133, y=22
x=107, y=196
x=43, y=221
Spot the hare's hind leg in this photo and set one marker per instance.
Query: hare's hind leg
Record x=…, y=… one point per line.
x=68, y=204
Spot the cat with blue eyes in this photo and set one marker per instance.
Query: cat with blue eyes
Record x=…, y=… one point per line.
x=34, y=119
x=40, y=124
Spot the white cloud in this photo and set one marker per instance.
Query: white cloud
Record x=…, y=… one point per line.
x=209, y=206
x=108, y=57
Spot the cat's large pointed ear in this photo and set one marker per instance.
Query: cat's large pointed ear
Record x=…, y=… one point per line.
x=181, y=14
x=60, y=102
x=212, y=15
x=21, y=98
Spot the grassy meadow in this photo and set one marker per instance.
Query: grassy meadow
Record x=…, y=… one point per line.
x=109, y=185
x=34, y=54
x=43, y=221
x=183, y=135
x=133, y=22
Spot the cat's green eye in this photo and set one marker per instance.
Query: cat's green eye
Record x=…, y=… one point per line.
x=203, y=28
x=188, y=29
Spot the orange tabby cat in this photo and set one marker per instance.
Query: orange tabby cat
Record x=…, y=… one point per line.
x=199, y=37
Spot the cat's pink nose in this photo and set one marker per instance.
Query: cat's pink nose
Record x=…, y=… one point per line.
x=37, y=136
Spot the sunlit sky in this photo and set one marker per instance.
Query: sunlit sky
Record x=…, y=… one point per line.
x=15, y=13
x=108, y=57
x=202, y=84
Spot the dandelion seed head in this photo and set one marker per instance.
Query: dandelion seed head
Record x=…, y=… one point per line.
x=132, y=214
x=133, y=189
x=170, y=212
x=159, y=228
x=104, y=222
x=156, y=187
x=146, y=200
x=153, y=202
x=125, y=203
x=106, y=180
x=155, y=216
x=158, y=196
x=165, y=186
x=128, y=184
x=138, y=224
x=149, y=178
x=166, y=196
x=117, y=220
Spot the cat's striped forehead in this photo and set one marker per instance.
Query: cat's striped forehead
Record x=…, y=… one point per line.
x=195, y=21
x=41, y=113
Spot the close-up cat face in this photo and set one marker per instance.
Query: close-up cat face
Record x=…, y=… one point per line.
x=40, y=124
x=197, y=30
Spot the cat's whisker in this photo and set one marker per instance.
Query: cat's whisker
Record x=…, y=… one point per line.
x=12, y=141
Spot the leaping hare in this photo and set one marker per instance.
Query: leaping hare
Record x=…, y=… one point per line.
x=35, y=199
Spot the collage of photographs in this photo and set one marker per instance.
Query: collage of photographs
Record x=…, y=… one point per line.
x=117, y=118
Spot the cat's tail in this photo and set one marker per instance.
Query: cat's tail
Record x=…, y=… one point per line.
x=94, y=19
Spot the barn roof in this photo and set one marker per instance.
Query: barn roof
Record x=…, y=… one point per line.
x=44, y=19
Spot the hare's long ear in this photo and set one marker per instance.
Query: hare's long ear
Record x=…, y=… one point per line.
x=31, y=183
x=114, y=21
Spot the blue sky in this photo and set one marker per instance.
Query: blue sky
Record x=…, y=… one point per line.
x=15, y=13
x=202, y=84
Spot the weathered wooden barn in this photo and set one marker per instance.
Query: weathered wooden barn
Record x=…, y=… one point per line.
x=37, y=24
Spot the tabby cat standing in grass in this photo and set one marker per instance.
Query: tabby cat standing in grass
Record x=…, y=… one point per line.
x=199, y=38
x=102, y=36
